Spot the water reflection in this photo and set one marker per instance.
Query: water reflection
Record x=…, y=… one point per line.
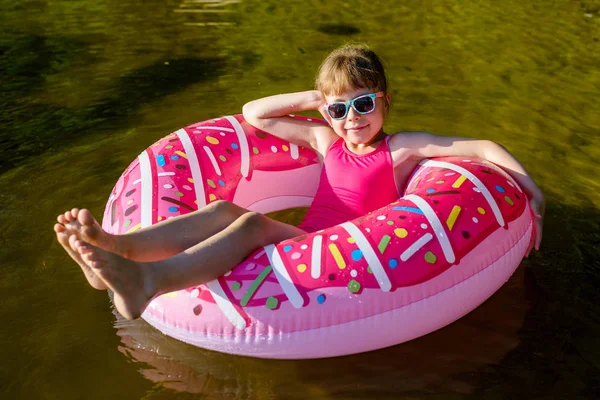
x=86, y=87
x=444, y=360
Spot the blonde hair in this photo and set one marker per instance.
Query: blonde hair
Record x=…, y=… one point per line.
x=351, y=67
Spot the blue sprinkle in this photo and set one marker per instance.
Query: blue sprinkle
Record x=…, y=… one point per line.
x=160, y=159
x=321, y=299
x=287, y=248
x=221, y=182
x=393, y=263
x=409, y=209
x=500, y=189
x=430, y=190
x=357, y=255
x=173, y=209
x=174, y=157
x=234, y=146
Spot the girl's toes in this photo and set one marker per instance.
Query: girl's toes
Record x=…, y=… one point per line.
x=61, y=219
x=59, y=228
x=78, y=245
x=68, y=216
x=85, y=217
x=74, y=212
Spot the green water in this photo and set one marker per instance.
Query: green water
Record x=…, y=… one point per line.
x=85, y=86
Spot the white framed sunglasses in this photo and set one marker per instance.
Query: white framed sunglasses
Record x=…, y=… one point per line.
x=363, y=104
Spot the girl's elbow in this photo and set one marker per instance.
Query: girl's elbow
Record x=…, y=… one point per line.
x=247, y=110
x=491, y=148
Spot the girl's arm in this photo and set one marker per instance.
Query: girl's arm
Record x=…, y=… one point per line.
x=427, y=145
x=271, y=114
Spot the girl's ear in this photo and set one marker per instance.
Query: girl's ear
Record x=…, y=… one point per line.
x=325, y=114
x=388, y=101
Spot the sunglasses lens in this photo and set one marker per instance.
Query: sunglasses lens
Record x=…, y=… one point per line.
x=364, y=105
x=337, y=110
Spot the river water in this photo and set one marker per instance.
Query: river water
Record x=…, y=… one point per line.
x=86, y=86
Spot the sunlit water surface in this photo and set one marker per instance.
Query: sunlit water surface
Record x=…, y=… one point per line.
x=87, y=85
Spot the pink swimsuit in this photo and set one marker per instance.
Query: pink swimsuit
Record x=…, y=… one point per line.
x=351, y=185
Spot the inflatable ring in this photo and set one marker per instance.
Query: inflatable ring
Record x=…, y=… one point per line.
x=397, y=273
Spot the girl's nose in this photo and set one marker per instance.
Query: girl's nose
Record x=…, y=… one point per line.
x=352, y=114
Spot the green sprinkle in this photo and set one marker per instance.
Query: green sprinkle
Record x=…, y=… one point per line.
x=385, y=240
x=236, y=286
x=255, y=150
x=509, y=200
x=178, y=194
x=211, y=183
x=353, y=286
x=255, y=285
x=272, y=303
x=369, y=270
x=222, y=158
x=430, y=257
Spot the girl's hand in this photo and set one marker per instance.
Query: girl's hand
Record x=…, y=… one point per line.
x=538, y=206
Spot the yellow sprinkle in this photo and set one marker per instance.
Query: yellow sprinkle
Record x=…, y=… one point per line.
x=170, y=295
x=401, y=232
x=212, y=197
x=191, y=180
x=129, y=201
x=351, y=240
x=285, y=148
x=212, y=140
x=301, y=267
x=134, y=228
x=181, y=153
x=160, y=218
x=452, y=217
x=481, y=210
x=459, y=181
x=337, y=256
x=430, y=179
x=439, y=182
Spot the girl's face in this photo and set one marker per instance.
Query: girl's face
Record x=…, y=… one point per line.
x=358, y=128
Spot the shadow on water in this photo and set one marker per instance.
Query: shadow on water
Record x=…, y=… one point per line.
x=535, y=338
x=32, y=127
x=558, y=353
x=338, y=29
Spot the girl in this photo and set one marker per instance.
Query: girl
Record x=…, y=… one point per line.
x=351, y=93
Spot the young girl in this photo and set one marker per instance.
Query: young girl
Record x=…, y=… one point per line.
x=352, y=94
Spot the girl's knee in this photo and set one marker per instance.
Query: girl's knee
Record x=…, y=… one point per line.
x=252, y=222
x=224, y=206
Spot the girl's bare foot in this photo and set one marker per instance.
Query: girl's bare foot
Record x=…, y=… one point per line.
x=82, y=224
x=132, y=282
x=64, y=238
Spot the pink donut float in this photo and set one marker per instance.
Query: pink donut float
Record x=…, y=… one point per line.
x=397, y=273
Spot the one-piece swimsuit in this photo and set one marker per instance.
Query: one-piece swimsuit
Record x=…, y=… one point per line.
x=351, y=185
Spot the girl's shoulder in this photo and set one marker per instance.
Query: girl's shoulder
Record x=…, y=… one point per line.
x=405, y=145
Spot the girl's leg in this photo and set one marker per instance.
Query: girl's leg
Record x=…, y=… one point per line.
x=158, y=241
x=136, y=283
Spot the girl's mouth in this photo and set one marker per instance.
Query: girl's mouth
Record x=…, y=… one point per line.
x=356, y=128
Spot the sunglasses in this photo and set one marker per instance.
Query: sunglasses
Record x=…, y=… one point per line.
x=364, y=104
